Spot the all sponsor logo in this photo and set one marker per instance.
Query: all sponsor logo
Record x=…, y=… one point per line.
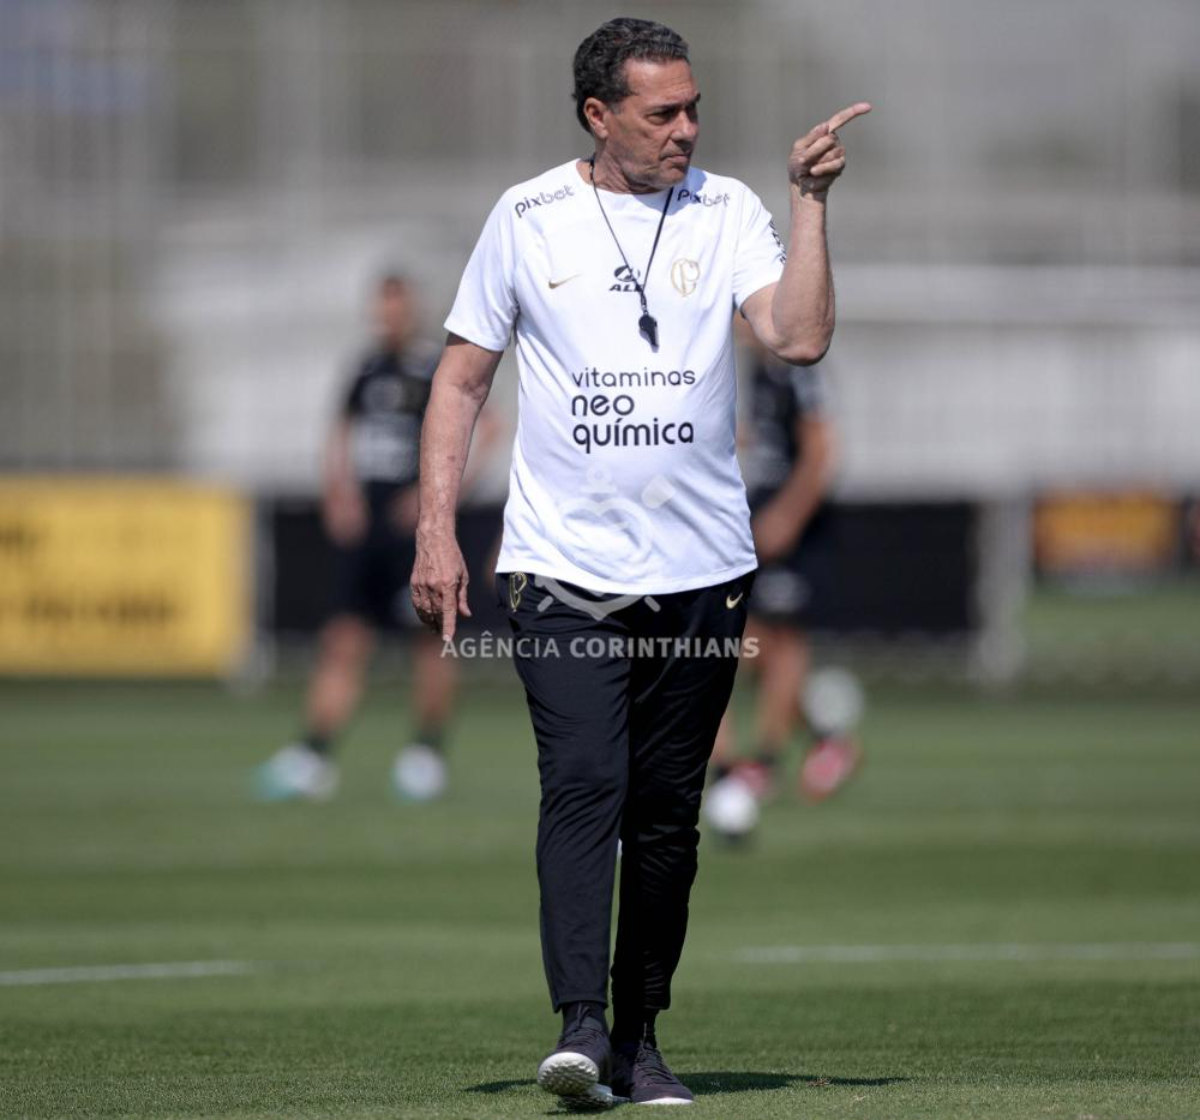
x=623, y=279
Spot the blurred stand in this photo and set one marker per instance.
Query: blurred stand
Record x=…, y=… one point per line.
x=188, y=191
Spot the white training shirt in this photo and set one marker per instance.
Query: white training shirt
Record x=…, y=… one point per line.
x=624, y=474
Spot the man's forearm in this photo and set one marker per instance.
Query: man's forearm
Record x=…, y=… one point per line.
x=460, y=386
x=802, y=307
x=445, y=443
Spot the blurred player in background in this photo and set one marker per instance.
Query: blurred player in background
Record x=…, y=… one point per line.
x=369, y=507
x=788, y=464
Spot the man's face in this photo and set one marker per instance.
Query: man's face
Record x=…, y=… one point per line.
x=650, y=134
x=396, y=313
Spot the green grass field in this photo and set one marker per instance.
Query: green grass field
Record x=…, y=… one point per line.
x=1019, y=878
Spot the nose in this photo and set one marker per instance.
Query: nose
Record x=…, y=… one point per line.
x=687, y=128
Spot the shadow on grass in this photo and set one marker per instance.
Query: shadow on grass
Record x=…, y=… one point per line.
x=501, y=1086
x=728, y=1081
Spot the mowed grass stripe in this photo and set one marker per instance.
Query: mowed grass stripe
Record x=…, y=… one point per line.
x=91, y=974
x=405, y=976
x=872, y=954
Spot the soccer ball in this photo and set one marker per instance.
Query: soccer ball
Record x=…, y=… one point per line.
x=731, y=809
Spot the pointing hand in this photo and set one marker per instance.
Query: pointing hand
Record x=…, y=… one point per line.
x=818, y=157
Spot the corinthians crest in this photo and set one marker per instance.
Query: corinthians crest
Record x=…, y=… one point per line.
x=685, y=274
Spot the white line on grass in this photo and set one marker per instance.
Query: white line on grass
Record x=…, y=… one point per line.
x=869, y=954
x=178, y=970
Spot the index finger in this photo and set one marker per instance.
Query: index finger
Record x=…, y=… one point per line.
x=449, y=616
x=858, y=109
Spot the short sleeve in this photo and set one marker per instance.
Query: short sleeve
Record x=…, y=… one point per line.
x=760, y=253
x=485, y=308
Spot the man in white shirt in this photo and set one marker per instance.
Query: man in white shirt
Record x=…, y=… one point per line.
x=627, y=553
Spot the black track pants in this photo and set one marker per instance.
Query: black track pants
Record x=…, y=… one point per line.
x=625, y=699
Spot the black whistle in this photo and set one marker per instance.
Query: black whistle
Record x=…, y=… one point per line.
x=649, y=327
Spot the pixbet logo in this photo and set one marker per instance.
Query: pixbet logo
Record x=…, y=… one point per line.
x=545, y=198
x=614, y=526
x=699, y=198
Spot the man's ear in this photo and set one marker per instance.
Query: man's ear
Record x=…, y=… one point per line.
x=595, y=113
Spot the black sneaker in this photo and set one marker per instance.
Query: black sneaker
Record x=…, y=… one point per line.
x=580, y=1069
x=641, y=1075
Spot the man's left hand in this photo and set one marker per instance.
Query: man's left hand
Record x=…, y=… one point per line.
x=439, y=583
x=818, y=158
x=776, y=531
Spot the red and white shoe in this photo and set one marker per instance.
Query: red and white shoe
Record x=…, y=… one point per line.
x=829, y=765
x=758, y=778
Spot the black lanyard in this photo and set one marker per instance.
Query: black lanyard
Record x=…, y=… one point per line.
x=647, y=324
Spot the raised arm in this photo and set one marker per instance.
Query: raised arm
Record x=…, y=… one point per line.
x=794, y=317
x=460, y=386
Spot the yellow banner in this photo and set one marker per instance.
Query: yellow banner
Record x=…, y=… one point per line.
x=107, y=576
x=1131, y=532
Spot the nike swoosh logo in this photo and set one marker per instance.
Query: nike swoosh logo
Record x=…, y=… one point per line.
x=732, y=601
x=559, y=283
